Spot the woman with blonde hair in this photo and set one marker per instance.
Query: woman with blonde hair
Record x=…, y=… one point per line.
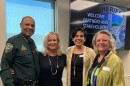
x=52, y=61
x=107, y=68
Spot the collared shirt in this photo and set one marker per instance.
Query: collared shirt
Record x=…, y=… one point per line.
x=22, y=57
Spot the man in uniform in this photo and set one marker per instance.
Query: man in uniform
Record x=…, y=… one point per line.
x=20, y=56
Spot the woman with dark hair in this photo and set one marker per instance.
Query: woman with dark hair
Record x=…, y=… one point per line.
x=52, y=61
x=107, y=68
x=79, y=59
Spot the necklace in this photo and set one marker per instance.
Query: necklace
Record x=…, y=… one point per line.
x=75, y=60
x=57, y=66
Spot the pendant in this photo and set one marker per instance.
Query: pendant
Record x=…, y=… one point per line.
x=57, y=66
x=50, y=63
x=74, y=70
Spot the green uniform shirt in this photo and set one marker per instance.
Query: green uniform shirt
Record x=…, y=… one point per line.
x=20, y=55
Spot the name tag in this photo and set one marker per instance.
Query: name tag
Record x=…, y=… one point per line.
x=81, y=55
x=106, y=68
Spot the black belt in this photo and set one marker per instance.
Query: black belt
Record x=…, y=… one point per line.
x=19, y=82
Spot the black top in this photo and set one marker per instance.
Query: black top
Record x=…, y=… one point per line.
x=48, y=76
x=77, y=61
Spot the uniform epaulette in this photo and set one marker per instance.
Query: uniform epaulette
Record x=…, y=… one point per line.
x=11, y=39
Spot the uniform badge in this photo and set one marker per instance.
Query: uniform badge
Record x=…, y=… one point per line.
x=8, y=47
x=23, y=48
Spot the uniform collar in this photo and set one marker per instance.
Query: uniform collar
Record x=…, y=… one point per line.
x=28, y=41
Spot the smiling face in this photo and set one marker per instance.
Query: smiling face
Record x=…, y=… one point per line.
x=102, y=43
x=27, y=26
x=52, y=42
x=79, y=38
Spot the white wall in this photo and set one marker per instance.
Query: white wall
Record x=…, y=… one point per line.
x=125, y=56
x=63, y=21
x=62, y=15
x=2, y=29
x=2, y=26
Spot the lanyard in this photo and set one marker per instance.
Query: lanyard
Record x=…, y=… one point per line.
x=94, y=70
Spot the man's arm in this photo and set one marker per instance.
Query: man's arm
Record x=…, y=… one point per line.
x=6, y=63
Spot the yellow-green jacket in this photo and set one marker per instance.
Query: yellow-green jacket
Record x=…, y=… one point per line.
x=88, y=52
x=111, y=72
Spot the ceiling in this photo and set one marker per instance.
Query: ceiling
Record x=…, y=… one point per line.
x=124, y=3
x=76, y=4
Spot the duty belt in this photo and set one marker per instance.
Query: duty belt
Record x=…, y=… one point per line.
x=25, y=83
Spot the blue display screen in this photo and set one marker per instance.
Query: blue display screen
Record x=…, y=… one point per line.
x=101, y=17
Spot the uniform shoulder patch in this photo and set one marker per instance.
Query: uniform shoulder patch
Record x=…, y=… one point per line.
x=8, y=47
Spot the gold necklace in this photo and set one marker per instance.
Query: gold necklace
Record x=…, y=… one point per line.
x=57, y=66
x=75, y=64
